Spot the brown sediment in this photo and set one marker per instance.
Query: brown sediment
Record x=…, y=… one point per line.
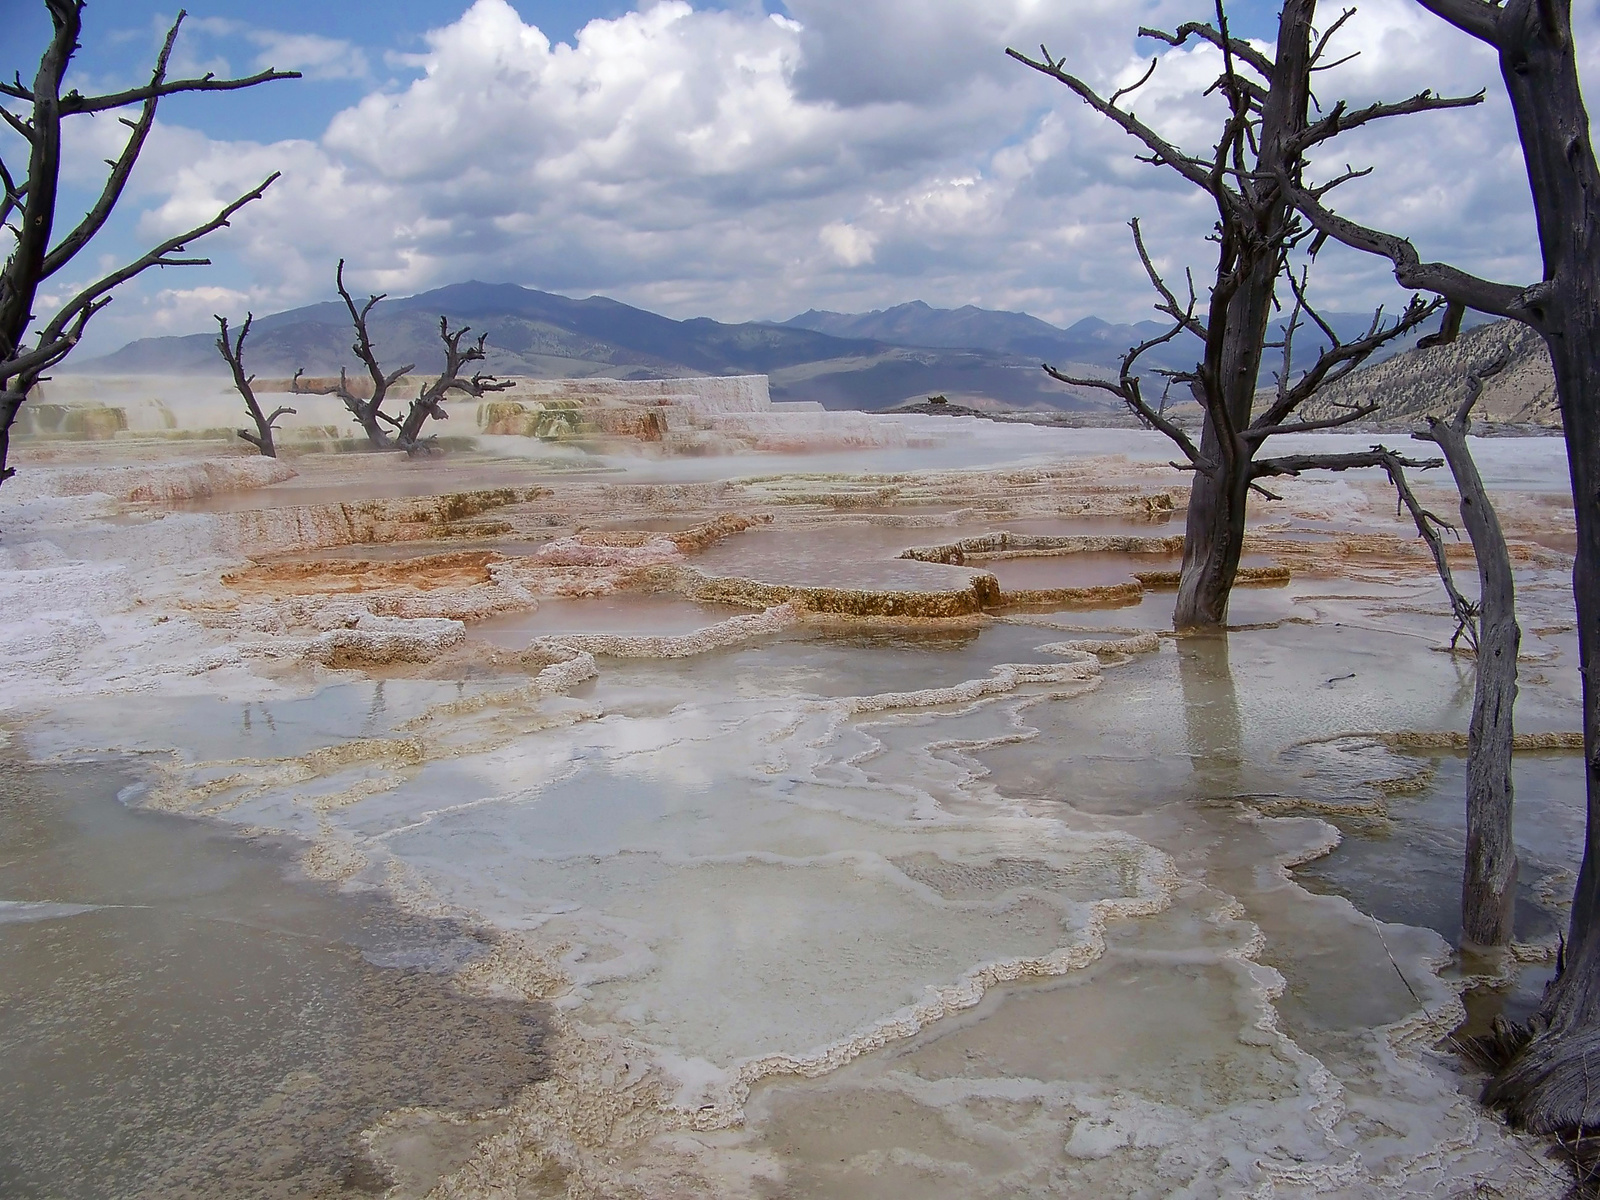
x=1020, y=545
x=426, y=572
x=407, y=519
x=983, y=592
x=1105, y=595
x=1273, y=576
x=1451, y=739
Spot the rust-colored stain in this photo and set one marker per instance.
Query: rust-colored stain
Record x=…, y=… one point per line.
x=321, y=577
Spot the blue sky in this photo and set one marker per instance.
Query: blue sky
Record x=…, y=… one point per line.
x=740, y=161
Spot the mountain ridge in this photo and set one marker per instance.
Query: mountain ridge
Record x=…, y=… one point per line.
x=530, y=332
x=874, y=360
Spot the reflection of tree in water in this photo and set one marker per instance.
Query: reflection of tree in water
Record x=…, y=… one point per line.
x=1215, y=733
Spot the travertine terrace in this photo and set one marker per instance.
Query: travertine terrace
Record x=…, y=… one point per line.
x=832, y=782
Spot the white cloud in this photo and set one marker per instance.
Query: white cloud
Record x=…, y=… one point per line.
x=316, y=57
x=851, y=246
x=313, y=55
x=740, y=165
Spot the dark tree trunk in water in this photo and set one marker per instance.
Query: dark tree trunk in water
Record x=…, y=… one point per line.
x=1213, y=542
x=1489, y=881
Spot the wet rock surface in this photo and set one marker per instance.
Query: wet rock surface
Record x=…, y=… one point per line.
x=179, y=1019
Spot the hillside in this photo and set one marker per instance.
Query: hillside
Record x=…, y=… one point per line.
x=551, y=336
x=1090, y=340
x=1432, y=382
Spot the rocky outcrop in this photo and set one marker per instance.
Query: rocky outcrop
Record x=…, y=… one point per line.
x=1421, y=383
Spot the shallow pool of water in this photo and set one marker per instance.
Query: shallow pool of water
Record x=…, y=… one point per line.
x=645, y=615
x=179, y=1019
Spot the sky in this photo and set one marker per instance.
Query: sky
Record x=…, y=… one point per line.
x=744, y=161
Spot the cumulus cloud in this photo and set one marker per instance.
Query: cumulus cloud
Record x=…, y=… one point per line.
x=747, y=165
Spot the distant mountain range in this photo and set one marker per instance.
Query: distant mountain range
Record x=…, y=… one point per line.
x=542, y=334
x=1090, y=340
x=844, y=360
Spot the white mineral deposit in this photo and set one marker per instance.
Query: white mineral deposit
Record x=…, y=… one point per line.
x=828, y=790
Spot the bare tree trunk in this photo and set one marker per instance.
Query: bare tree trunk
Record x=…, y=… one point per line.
x=1213, y=542
x=233, y=351
x=1489, y=882
x=9, y=403
x=1551, y=1082
x=1549, y=1086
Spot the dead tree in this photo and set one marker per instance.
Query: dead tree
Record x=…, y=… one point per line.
x=367, y=410
x=1265, y=138
x=429, y=405
x=1548, y=1084
x=1489, y=880
x=1488, y=885
x=28, y=206
x=233, y=351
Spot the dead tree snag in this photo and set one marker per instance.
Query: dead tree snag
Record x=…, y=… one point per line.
x=367, y=410
x=1265, y=137
x=1488, y=886
x=1489, y=880
x=429, y=405
x=1548, y=1084
x=28, y=206
x=232, y=349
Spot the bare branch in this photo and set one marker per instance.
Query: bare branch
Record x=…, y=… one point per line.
x=1127, y=390
x=1341, y=120
x=1461, y=419
x=1134, y=87
x=1182, y=313
x=73, y=103
x=1335, y=363
x=1197, y=29
x=1428, y=526
x=121, y=169
x=11, y=198
x=1353, y=413
x=92, y=298
x=1296, y=464
x=21, y=128
x=1449, y=327
x=1163, y=151
x=1477, y=17
x=1328, y=35
x=1410, y=271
